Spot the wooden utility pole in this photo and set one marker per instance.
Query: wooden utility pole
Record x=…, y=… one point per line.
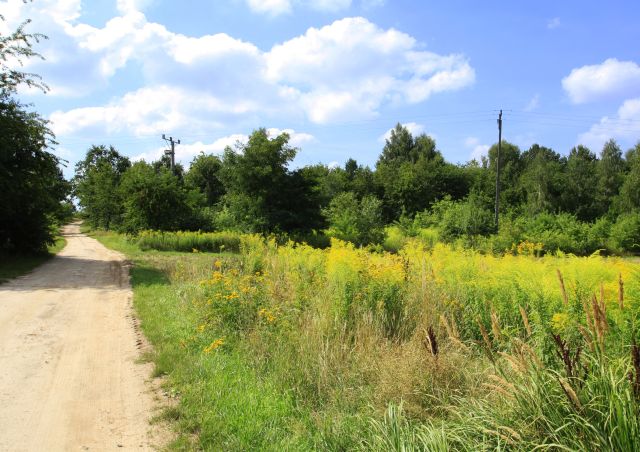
x=171, y=152
x=497, y=206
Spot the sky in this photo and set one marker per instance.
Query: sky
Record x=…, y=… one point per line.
x=336, y=75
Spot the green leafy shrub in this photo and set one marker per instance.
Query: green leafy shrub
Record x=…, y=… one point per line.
x=625, y=233
x=356, y=221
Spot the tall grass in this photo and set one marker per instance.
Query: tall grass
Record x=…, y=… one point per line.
x=185, y=241
x=429, y=348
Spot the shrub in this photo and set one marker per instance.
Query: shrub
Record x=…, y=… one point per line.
x=356, y=221
x=625, y=233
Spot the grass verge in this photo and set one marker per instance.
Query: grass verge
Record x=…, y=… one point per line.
x=224, y=403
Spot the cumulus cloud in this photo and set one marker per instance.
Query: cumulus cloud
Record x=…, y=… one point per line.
x=349, y=69
x=624, y=126
x=612, y=77
x=146, y=111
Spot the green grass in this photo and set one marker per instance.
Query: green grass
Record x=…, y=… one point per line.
x=284, y=347
x=14, y=265
x=224, y=403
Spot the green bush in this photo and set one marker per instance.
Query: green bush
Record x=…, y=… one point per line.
x=356, y=221
x=625, y=233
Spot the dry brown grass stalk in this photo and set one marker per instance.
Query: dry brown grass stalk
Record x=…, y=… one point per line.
x=570, y=393
x=485, y=335
x=495, y=326
x=620, y=292
x=525, y=320
x=565, y=298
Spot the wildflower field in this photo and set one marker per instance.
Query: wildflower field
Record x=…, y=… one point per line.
x=287, y=347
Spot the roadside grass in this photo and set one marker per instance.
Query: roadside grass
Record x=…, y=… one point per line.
x=224, y=403
x=286, y=347
x=14, y=265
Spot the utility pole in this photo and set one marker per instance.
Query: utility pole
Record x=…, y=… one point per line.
x=498, y=169
x=171, y=152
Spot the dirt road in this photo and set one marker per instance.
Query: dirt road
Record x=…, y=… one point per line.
x=69, y=379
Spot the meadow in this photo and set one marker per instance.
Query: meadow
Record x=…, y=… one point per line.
x=287, y=347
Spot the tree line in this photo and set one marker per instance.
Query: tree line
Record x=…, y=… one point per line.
x=251, y=188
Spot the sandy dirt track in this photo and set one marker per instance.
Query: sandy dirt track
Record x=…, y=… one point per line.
x=69, y=346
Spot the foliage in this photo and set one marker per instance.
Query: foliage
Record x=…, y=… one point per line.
x=18, y=47
x=96, y=182
x=203, y=175
x=426, y=349
x=625, y=233
x=262, y=194
x=31, y=183
x=152, y=199
x=356, y=221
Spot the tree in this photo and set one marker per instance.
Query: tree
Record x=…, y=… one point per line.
x=610, y=169
x=17, y=47
x=541, y=179
x=412, y=174
x=96, y=183
x=578, y=194
x=629, y=198
x=152, y=199
x=204, y=175
x=257, y=180
x=31, y=183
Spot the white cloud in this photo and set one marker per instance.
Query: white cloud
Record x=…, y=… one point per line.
x=296, y=139
x=147, y=111
x=478, y=151
x=352, y=67
x=415, y=129
x=612, y=77
x=347, y=70
x=553, y=23
x=533, y=103
x=624, y=126
x=272, y=7
x=186, y=152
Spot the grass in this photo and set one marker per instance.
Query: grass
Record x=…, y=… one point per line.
x=286, y=347
x=14, y=265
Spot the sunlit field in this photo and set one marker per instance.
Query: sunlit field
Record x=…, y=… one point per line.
x=430, y=348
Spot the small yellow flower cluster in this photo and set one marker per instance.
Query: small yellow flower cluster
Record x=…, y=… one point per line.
x=527, y=248
x=267, y=315
x=214, y=345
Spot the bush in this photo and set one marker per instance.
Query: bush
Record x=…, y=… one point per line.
x=625, y=233
x=356, y=221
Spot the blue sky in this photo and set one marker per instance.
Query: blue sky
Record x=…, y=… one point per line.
x=335, y=74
